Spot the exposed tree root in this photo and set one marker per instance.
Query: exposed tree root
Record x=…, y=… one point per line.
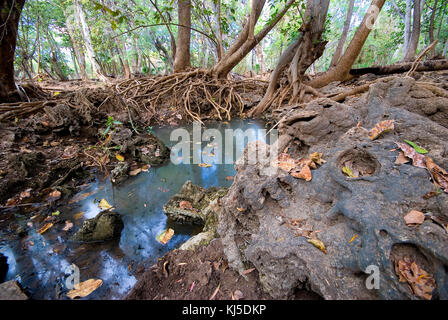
x=195, y=92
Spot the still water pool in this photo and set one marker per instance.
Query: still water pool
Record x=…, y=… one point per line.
x=39, y=261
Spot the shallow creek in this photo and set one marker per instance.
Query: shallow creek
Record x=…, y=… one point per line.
x=40, y=267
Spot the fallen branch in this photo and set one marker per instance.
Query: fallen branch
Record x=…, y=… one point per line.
x=428, y=65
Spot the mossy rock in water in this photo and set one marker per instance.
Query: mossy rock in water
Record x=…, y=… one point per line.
x=107, y=225
x=190, y=203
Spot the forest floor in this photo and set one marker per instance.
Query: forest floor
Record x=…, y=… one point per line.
x=51, y=151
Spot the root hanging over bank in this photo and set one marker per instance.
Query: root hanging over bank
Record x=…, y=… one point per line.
x=195, y=92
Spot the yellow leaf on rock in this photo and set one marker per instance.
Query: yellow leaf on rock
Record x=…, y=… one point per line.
x=104, y=204
x=348, y=172
x=165, y=236
x=85, y=288
x=318, y=244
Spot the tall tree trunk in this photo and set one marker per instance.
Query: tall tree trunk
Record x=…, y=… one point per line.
x=415, y=37
x=341, y=43
x=302, y=53
x=220, y=48
x=431, y=27
x=407, y=26
x=247, y=40
x=182, y=58
x=260, y=58
x=10, y=11
x=77, y=47
x=445, y=50
x=342, y=70
x=54, y=58
x=80, y=17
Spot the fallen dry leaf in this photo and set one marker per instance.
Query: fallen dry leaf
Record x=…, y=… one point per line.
x=418, y=160
x=421, y=283
x=380, y=128
x=104, y=204
x=316, y=157
x=45, y=227
x=439, y=175
x=68, y=226
x=414, y=218
x=285, y=162
x=305, y=173
x=402, y=159
x=85, y=288
x=318, y=244
x=204, y=165
x=119, y=157
x=55, y=195
x=165, y=236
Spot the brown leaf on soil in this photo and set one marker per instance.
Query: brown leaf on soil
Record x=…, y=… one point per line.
x=304, y=174
x=414, y=218
x=440, y=175
x=421, y=283
x=186, y=205
x=418, y=160
x=380, y=128
x=402, y=159
x=85, y=288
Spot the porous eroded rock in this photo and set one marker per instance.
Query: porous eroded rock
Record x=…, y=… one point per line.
x=11, y=290
x=196, y=205
x=107, y=225
x=190, y=204
x=359, y=220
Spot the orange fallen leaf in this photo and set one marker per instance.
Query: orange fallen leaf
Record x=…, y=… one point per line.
x=421, y=283
x=119, y=157
x=165, y=236
x=204, y=165
x=380, y=128
x=305, y=173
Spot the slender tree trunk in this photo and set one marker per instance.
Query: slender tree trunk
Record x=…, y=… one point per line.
x=77, y=47
x=407, y=26
x=247, y=40
x=10, y=11
x=260, y=58
x=80, y=17
x=220, y=48
x=341, y=43
x=342, y=70
x=431, y=27
x=54, y=59
x=182, y=58
x=415, y=37
x=302, y=53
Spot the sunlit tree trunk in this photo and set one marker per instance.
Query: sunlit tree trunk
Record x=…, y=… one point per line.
x=182, y=57
x=342, y=70
x=431, y=27
x=247, y=39
x=415, y=37
x=10, y=11
x=77, y=47
x=340, y=47
x=80, y=17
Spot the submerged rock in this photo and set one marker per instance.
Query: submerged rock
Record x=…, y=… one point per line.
x=196, y=205
x=107, y=225
x=360, y=220
x=190, y=204
x=3, y=267
x=12, y=291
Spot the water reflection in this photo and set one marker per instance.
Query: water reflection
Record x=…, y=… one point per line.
x=41, y=266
